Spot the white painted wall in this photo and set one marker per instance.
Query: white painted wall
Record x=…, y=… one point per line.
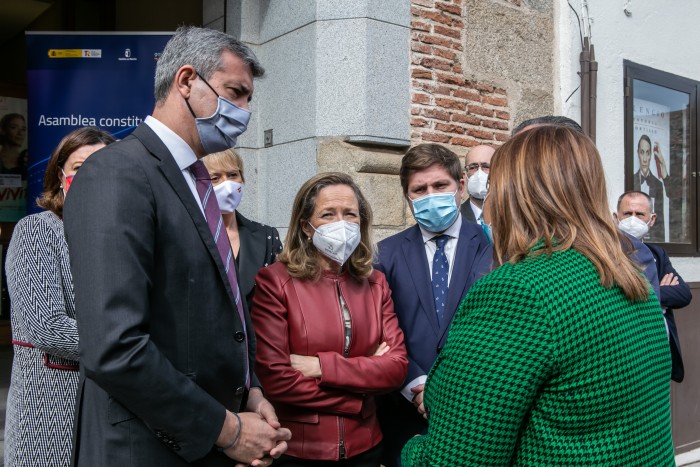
x=660, y=34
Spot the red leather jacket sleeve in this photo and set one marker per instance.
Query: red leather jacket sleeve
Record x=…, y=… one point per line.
x=281, y=382
x=371, y=375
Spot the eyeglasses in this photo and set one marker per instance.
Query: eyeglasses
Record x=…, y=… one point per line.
x=476, y=165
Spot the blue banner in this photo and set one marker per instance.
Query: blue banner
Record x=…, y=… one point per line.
x=92, y=79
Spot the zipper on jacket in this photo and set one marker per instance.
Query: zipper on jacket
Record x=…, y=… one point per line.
x=346, y=353
x=342, y=438
x=341, y=300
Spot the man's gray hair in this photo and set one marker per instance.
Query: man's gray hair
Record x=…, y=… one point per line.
x=555, y=120
x=635, y=193
x=201, y=48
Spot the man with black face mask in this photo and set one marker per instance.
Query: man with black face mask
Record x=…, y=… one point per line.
x=166, y=343
x=430, y=268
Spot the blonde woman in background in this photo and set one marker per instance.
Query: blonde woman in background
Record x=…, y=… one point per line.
x=254, y=245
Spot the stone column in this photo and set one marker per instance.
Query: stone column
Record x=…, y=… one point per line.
x=335, y=97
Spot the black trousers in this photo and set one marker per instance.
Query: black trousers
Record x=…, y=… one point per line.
x=370, y=458
x=400, y=421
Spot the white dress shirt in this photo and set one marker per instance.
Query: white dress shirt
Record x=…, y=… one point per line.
x=477, y=212
x=430, y=248
x=450, y=246
x=182, y=153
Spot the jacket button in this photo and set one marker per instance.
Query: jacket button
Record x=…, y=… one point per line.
x=239, y=336
x=239, y=391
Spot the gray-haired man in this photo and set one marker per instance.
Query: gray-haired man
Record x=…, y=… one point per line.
x=166, y=344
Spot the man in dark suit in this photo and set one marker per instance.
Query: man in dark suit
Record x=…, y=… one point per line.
x=429, y=267
x=166, y=344
x=634, y=216
x=646, y=182
x=476, y=169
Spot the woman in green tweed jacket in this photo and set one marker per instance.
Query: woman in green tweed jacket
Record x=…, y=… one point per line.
x=559, y=356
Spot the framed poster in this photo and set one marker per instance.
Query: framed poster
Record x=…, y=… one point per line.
x=660, y=150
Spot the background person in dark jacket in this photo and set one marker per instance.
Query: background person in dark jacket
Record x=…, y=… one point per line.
x=634, y=216
x=254, y=245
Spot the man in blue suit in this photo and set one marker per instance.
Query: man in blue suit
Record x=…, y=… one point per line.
x=635, y=217
x=429, y=267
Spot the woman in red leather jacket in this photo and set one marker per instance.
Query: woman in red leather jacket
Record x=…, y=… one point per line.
x=327, y=336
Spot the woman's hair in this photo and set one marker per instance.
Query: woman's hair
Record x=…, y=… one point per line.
x=52, y=198
x=224, y=161
x=300, y=255
x=547, y=184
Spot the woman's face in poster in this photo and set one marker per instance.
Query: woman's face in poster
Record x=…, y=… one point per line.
x=14, y=131
x=644, y=153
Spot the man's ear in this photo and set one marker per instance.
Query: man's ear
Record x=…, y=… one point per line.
x=652, y=220
x=617, y=221
x=183, y=80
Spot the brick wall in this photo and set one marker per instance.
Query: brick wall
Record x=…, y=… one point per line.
x=445, y=106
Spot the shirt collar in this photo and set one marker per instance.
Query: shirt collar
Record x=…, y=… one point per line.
x=182, y=152
x=452, y=231
x=476, y=210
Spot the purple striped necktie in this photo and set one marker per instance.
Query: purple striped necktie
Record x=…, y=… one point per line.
x=216, y=225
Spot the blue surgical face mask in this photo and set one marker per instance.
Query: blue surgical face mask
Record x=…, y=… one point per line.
x=435, y=212
x=219, y=131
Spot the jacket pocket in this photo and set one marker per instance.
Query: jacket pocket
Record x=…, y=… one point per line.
x=291, y=414
x=117, y=413
x=369, y=407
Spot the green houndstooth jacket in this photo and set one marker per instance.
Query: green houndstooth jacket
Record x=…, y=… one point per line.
x=544, y=366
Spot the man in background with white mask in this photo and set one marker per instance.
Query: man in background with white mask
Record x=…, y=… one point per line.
x=476, y=168
x=166, y=343
x=634, y=217
x=429, y=267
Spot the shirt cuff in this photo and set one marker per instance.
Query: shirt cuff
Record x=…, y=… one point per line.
x=406, y=391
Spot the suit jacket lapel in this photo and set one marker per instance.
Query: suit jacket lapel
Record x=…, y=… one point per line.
x=174, y=176
x=251, y=254
x=467, y=213
x=414, y=254
x=461, y=273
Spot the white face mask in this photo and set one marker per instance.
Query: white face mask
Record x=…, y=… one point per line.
x=228, y=194
x=634, y=226
x=476, y=185
x=337, y=240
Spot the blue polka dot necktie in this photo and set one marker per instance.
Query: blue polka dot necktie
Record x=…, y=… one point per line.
x=440, y=273
x=212, y=213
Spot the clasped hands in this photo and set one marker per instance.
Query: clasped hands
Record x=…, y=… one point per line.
x=311, y=366
x=260, y=437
